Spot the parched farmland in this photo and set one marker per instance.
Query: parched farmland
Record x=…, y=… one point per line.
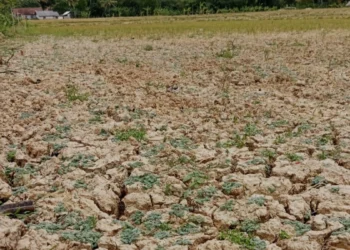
x=206, y=132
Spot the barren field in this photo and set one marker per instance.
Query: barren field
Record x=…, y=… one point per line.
x=228, y=141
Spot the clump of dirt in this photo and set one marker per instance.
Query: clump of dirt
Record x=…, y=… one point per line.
x=181, y=147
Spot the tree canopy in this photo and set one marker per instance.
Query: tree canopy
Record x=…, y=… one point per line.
x=105, y=8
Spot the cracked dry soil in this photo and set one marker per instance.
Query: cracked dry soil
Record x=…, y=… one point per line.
x=222, y=142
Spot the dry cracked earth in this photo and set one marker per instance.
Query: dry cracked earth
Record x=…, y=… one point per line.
x=222, y=142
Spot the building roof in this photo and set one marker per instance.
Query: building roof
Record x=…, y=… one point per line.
x=25, y=11
x=47, y=13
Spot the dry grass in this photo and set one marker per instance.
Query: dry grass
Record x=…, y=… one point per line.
x=276, y=21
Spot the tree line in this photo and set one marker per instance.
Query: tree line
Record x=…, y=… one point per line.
x=108, y=8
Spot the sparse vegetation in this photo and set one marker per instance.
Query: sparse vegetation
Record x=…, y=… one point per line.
x=195, y=179
x=73, y=94
x=11, y=156
x=258, y=200
x=147, y=180
x=246, y=241
x=124, y=135
x=228, y=186
x=300, y=228
x=178, y=210
x=171, y=140
x=294, y=157
x=228, y=206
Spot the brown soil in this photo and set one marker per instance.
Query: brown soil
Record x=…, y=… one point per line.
x=256, y=143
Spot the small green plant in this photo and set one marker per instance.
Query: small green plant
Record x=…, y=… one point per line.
x=183, y=242
x=124, y=135
x=129, y=235
x=154, y=150
x=334, y=189
x=228, y=206
x=96, y=119
x=294, y=157
x=136, y=164
x=249, y=226
x=11, y=156
x=59, y=208
x=182, y=143
x=15, y=174
x=72, y=94
x=19, y=190
x=256, y=161
x=323, y=140
x=283, y=235
x=300, y=228
x=279, y=123
x=227, y=187
x=242, y=239
x=148, y=47
x=49, y=227
x=271, y=189
x=188, y=228
x=250, y=129
x=269, y=154
x=280, y=140
x=239, y=141
x=226, y=144
x=198, y=220
x=80, y=160
x=162, y=235
x=88, y=236
x=136, y=217
x=318, y=181
x=147, y=180
x=64, y=129
x=153, y=222
x=195, y=179
x=83, y=229
x=178, y=210
x=258, y=200
x=80, y=184
x=205, y=194
x=168, y=189
x=322, y=156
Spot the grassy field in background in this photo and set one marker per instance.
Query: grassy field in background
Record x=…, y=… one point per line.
x=276, y=21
